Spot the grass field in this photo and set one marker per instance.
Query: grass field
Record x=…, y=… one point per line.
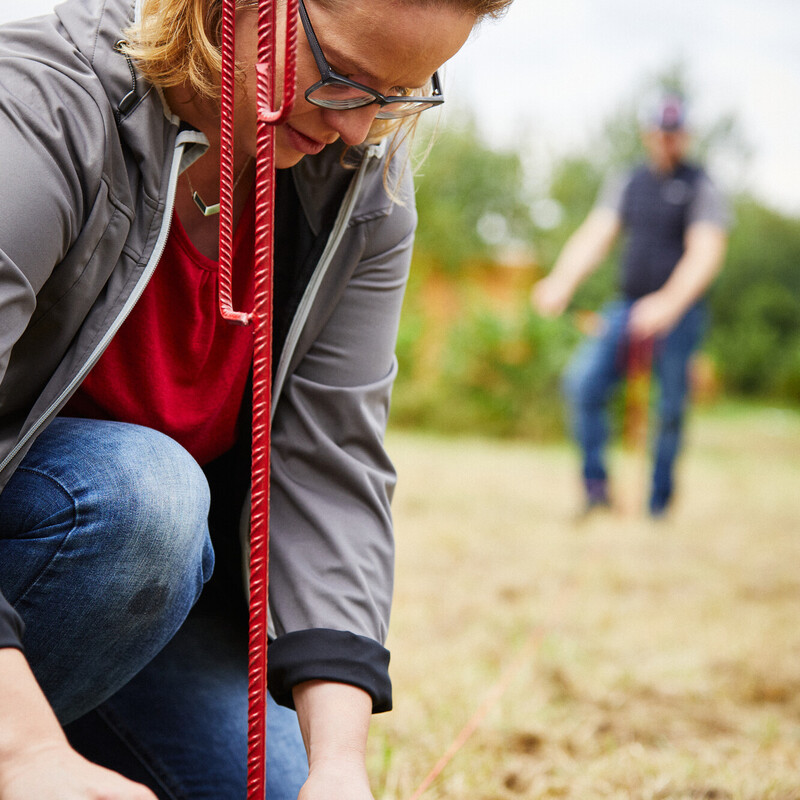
x=650, y=659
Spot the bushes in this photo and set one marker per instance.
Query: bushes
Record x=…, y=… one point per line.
x=755, y=335
x=474, y=358
x=498, y=374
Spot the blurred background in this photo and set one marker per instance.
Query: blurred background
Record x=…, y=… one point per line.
x=544, y=106
x=541, y=105
x=664, y=656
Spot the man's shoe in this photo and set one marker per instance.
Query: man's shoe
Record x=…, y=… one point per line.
x=659, y=506
x=596, y=497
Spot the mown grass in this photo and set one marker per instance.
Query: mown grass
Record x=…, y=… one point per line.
x=660, y=659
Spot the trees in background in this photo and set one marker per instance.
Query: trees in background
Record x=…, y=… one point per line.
x=474, y=357
x=755, y=337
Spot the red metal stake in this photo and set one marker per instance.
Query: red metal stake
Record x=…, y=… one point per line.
x=637, y=395
x=636, y=421
x=261, y=318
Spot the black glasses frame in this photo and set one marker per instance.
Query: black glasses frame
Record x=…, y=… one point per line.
x=329, y=76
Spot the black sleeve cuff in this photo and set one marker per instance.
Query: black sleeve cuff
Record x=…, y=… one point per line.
x=11, y=627
x=328, y=655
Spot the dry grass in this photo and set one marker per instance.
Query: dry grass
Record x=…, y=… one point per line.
x=663, y=657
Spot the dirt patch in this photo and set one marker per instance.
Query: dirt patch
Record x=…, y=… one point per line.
x=664, y=659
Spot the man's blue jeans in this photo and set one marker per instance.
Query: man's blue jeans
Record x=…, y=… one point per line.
x=599, y=366
x=104, y=549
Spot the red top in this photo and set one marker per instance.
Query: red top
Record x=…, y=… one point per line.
x=175, y=365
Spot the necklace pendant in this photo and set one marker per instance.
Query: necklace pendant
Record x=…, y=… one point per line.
x=206, y=211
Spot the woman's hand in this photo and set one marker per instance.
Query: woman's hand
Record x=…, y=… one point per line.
x=334, y=720
x=337, y=780
x=36, y=761
x=54, y=771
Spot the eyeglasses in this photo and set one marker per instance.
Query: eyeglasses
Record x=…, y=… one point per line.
x=336, y=92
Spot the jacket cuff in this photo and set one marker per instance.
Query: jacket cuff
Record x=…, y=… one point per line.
x=329, y=655
x=11, y=627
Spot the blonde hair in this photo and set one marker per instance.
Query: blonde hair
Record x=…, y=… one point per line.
x=178, y=42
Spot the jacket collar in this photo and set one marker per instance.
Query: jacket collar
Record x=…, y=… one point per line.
x=95, y=26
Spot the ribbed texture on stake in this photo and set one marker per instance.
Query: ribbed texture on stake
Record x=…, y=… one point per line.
x=261, y=317
x=262, y=400
x=226, y=168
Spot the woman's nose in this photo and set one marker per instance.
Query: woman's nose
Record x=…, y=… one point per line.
x=353, y=124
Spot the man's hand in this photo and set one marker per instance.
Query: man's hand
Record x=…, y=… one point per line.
x=653, y=315
x=580, y=256
x=657, y=313
x=551, y=296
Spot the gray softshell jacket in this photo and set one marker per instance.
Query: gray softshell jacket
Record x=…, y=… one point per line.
x=88, y=169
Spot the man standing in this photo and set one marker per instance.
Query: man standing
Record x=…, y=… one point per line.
x=675, y=223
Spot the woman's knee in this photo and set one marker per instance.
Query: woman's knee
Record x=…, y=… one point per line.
x=149, y=477
x=113, y=581
x=158, y=493
x=128, y=496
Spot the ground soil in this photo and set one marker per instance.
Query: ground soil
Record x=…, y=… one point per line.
x=642, y=658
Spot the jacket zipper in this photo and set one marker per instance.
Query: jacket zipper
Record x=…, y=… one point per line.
x=293, y=336
x=304, y=308
x=144, y=279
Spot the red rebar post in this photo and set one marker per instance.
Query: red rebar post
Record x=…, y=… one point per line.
x=261, y=318
x=639, y=365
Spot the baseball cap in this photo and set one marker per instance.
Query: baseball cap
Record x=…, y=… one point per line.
x=666, y=113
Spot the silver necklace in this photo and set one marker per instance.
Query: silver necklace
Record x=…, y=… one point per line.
x=209, y=211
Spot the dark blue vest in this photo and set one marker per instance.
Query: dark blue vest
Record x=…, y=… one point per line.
x=655, y=216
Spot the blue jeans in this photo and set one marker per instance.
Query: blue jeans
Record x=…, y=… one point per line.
x=104, y=550
x=599, y=366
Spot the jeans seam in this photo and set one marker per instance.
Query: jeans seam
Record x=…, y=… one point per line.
x=35, y=580
x=150, y=763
